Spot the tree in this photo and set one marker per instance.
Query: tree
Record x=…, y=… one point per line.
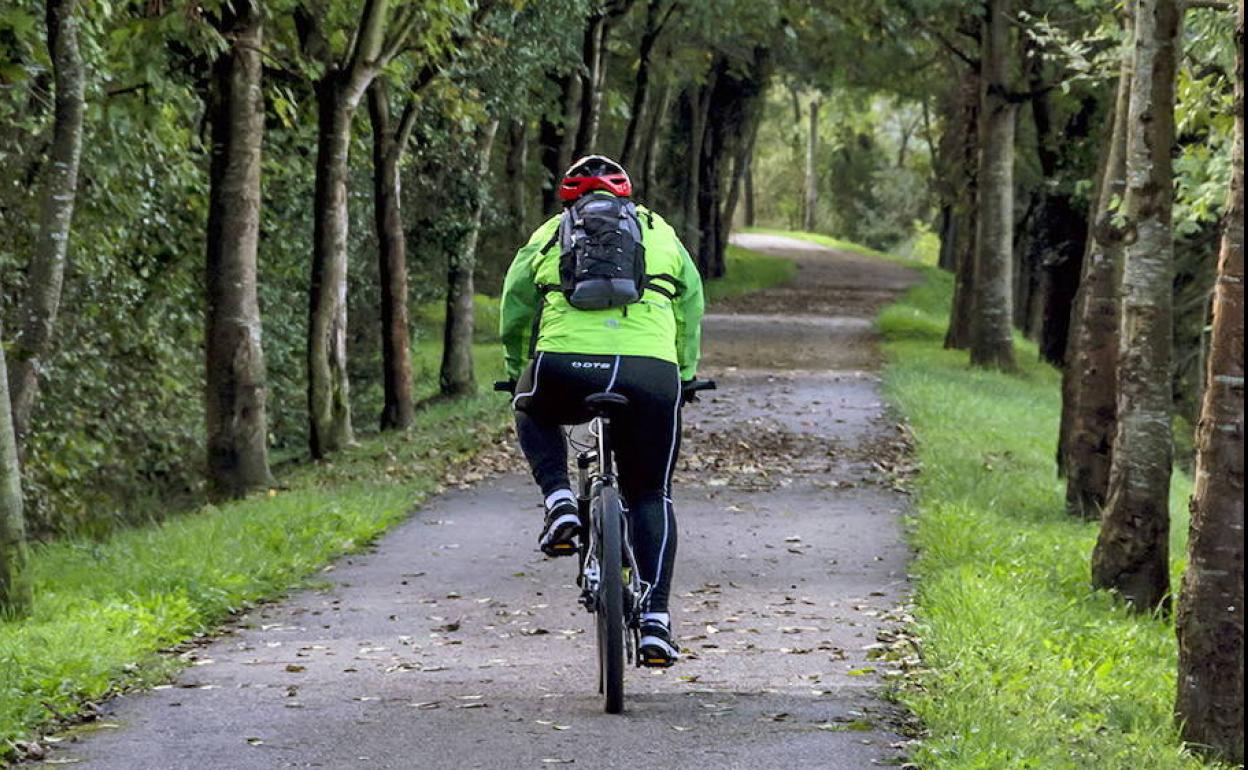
x=1132, y=550
x=959, y=153
x=1089, y=379
x=390, y=142
x=374, y=43
x=593, y=73
x=1210, y=702
x=47, y=265
x=396, y=357
x=457, y=376
x=811, y=178
x=236, y=383
x=992, y=334
x=15, y=595
x=656, y=19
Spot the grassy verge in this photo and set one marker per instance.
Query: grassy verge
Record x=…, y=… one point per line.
x=1027, y=667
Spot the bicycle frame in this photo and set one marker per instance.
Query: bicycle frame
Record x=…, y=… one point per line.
x=596, y=469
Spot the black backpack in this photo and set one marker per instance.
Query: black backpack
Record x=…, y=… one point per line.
x=602, y=261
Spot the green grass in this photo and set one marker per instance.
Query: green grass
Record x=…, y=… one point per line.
x=103, y=609
x=747, y=271
x=1027, y=667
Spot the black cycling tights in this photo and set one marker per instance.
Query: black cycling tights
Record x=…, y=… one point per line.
x=552, y=392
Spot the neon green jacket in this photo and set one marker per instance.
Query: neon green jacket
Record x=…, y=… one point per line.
x=655, y=326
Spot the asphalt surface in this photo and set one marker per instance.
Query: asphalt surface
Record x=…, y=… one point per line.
x=454, y=644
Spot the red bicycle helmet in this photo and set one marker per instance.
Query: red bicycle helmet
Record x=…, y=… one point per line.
x=594, y=172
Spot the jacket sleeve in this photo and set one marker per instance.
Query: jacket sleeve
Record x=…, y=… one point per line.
x=688, y=307
x=518, y=308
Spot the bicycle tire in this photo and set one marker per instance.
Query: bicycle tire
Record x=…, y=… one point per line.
x=610, y=605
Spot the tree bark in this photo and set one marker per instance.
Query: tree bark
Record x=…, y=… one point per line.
x=1132, y=550
x=329, y=404
x=700, y=105
x=591, y=77
x=553, y=138
x=811, y=179
x=960, y=145
x=657, y=120
x=1089, y=380
x=740, y=173
x=15, y=587
x=747, y=180
x=235, y=377
x=517, y=168
x=397, y=410
x=1210, y=703
x=728, y=136
x=338, y=94
x=655, y=21
x=992, y=340
x=457, y=376
x=37, y=316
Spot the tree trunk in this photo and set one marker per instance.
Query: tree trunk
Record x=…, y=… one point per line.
x=397, y=411
x=517, y=167
x=457, y=377
x=728, y=136
x=37, y=315
x=15, y=590
x=747, y=180
x=740, y=173
x=992, y=333
x=812, y=181
x=329, y=405
x=700, y=105
x=961, y=145
x=947, y=259
x=657, y=121
x=1089, y=381
x=235, y=378
x=592, y=59
x=554, y=143
x=1210, y=704
x=1132, y=551
x=641, y=85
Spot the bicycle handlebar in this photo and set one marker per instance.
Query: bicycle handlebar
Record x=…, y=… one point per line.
x=689, y=389
x=505, y=386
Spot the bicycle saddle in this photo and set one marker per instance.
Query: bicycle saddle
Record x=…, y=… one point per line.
x=605, y=403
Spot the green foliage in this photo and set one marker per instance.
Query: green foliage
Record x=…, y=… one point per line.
x=1024, y=665
x=872, y=163
x=103, y=609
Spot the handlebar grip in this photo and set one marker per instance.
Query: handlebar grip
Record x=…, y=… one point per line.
x=505, y=386
x=689, y=390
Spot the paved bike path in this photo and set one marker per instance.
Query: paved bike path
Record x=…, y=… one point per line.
x=456, y=645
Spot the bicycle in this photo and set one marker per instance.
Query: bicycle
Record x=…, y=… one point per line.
x=610, y=582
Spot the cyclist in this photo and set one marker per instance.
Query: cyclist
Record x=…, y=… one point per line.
x=567, y=333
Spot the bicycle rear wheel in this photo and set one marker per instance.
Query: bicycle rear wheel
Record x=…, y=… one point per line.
x=610, y=604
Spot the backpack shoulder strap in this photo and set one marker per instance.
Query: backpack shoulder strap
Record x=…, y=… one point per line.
x=678, y=286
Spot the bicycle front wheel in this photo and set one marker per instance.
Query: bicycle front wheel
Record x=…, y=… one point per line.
x=610, y=602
